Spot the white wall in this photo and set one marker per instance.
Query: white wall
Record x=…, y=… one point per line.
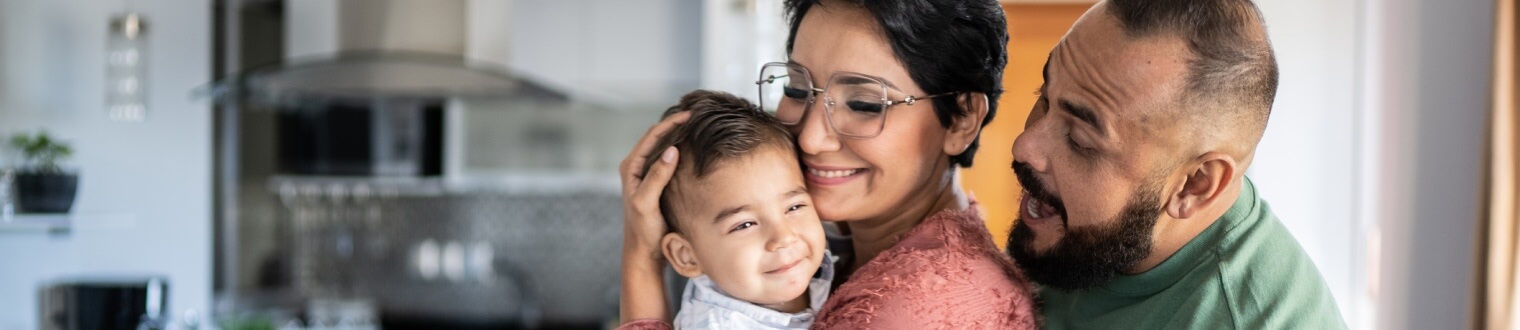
x=156, y=173
x=610, y=51
x=737, y=38
x=1372, y=155
x=1428, y=69
x=1304, y=164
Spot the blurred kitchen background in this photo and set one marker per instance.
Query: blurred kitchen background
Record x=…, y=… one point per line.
x=256, y=164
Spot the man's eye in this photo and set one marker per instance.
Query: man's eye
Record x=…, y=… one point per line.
x=1077, y=146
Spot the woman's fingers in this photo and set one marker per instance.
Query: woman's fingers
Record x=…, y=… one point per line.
x=642, y=222
x=632, y=168
x=653, y=183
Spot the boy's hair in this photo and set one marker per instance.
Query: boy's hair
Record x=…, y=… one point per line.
x=722, y=127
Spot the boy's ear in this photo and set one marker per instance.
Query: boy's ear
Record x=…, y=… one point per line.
x=966, y=128
x=681, y=255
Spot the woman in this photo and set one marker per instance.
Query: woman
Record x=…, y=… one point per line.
x=887, y=100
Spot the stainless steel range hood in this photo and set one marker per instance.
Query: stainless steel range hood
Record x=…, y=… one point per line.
x=357, y=76
x=385, y=49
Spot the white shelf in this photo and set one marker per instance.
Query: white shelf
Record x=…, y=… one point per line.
x=62, y=222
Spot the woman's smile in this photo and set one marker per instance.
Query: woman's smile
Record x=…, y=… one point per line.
x=831, y=175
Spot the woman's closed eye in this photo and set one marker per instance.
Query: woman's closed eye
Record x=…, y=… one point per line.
x=865, y=107
x=794, y=93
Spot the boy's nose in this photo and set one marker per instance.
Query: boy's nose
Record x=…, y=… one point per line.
x=781, y=237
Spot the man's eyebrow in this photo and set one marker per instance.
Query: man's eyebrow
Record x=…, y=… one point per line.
x=1045, y=73
x=1083, y=113
x=729, y=212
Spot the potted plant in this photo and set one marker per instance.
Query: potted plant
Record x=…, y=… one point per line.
x=42, y=185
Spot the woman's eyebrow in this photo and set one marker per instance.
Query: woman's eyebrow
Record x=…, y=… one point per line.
x=884, y=81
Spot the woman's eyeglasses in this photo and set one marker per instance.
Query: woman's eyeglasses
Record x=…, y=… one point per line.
x=856, y=104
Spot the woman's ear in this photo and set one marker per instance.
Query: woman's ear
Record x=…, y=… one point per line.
x=965, y=129
x=680, y=254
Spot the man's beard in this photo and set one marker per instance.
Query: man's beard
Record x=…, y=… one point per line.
x=1088, y=256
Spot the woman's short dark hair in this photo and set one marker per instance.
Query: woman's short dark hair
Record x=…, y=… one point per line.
x=946, y=46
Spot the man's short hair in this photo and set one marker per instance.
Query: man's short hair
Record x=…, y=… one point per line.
x=722, y=127
x=1233, y=67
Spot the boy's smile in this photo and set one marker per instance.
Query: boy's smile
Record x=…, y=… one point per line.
x=750, y=226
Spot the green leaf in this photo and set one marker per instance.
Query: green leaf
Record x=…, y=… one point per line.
x=42, y=152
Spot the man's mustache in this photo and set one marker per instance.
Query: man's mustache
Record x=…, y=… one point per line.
x=1036, y=188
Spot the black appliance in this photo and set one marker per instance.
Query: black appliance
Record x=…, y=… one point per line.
x=393, y=137
x=104, y=304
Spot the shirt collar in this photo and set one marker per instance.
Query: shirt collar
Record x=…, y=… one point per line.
x=705, y=291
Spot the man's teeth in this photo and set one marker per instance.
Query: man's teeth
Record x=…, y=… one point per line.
x=832, y=174
x=1032, y=209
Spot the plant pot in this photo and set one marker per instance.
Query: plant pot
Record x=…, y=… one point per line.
x=45, y=192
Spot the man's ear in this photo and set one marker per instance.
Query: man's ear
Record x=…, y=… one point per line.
x=1203, y=186
x=965, y=129
x=681, y=255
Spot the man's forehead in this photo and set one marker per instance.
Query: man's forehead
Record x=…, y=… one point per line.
x=1112, y=65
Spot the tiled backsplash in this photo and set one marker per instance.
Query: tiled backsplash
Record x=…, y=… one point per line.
x=482, y=257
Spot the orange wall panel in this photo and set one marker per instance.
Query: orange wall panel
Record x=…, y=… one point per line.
x=1032, y=31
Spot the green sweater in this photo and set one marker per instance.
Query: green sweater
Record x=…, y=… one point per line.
x=1243, y=272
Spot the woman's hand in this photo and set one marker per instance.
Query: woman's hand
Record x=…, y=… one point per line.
x=643, y=289
x=643, y=225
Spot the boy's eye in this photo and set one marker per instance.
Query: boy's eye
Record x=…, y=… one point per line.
x=743, y=226
x=795, y=207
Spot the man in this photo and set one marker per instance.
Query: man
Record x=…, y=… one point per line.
x=1136, y=211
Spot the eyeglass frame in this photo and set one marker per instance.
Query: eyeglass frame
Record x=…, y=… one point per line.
x=828, y=106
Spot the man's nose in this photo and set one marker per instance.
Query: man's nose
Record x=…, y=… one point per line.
x=1032, y=146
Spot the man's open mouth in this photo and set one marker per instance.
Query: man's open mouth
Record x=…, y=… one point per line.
x=1038, y=203
x=1035, y=208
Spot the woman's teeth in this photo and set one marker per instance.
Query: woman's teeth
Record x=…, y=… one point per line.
x=832, y=174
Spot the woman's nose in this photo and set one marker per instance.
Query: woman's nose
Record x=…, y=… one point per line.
x=813, y=133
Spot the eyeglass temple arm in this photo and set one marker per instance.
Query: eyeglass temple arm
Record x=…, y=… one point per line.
x=911, y=99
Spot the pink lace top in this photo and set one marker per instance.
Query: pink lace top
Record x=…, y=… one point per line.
x=944, y=274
